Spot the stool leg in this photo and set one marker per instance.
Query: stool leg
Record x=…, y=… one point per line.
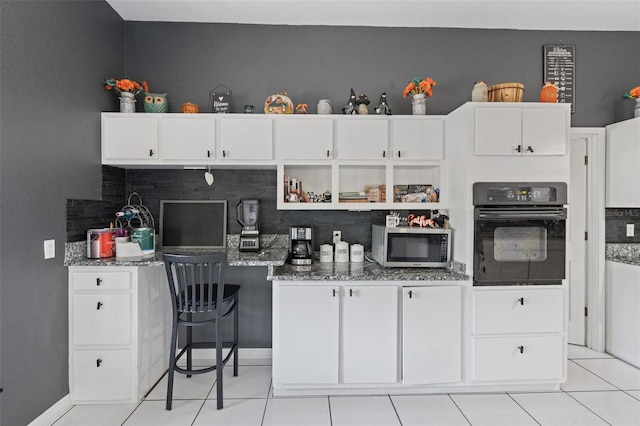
x=219, y=363
x=189, y=340
x=172, y=362
x=235, y=337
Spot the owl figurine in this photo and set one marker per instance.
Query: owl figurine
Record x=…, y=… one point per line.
x=480, y=92
x=156, y=102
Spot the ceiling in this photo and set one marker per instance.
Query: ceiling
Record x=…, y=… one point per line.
x=588, y=15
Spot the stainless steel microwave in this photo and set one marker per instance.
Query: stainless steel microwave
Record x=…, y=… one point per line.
x=411, y=247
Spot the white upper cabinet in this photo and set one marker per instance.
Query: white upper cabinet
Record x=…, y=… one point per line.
x=417, y=138
x=533, y=129
x=304, y=138
x=188, y=137
x=362, y=138
x=129, y=138
x=622, y=171
x=246, y=138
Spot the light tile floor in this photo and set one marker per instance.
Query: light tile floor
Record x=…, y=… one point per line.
x=600, y=390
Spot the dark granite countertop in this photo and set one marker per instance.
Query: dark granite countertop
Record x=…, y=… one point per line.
x=628, y=253
x=364, y=271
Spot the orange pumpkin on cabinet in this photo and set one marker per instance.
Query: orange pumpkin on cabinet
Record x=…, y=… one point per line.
x=549, y=93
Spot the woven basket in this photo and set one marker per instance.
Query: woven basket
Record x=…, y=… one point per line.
x=506, y=92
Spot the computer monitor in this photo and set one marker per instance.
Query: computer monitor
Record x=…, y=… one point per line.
x=193, y=224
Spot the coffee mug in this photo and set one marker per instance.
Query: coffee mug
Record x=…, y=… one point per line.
x=392, y=221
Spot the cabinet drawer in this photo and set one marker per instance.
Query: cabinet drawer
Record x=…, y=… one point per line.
x=517, y=311
x=518, y=358
x=101, y=375
x=101, y=280
x=102, y=319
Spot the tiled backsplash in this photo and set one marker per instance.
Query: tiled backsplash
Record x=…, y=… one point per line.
x=232, y=185
x=616, y=221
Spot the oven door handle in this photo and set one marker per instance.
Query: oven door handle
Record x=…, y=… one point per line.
x=525, y=214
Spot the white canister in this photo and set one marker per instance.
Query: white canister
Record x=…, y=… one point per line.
x=326, y=253
x=342, y=252
x=325, y=107
x=357, y=253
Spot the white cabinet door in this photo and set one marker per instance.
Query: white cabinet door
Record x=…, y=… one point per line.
x=304, y=138
x=498, y=131
x=622, y=315
x=246, y=139
x=432, y=335
x=188, y=137
x=102, y=319
x=101, y=375
x=518, y=358
x=518, y=311
x=362, y=139
x=417, y=139
x=129, y=137
x=306, y=334
x=545, y=131
x=370, y=334
x=623, y=156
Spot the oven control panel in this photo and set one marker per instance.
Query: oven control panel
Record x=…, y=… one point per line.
x=514, y=193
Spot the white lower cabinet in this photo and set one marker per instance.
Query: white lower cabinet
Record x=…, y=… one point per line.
x=309, y=321
x=431, y=334
x=119, y=328
x=519, y=333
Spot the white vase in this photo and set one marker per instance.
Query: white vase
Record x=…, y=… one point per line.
x=636, y=110
x=127, y=102
x=419, y=104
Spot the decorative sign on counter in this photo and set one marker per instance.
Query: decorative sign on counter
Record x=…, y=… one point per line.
x=560, y=68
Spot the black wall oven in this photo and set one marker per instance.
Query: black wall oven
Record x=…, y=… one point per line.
x=519, y=233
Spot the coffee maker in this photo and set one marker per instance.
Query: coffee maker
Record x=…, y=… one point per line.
x=247, y=212
x=301, y=245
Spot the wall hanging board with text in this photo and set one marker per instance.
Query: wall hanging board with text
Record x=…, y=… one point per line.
x=560, y=68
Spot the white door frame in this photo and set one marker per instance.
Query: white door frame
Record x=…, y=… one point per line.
x=595, y=251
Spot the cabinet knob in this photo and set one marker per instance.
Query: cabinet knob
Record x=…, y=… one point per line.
x=521, y=349
x=98, y=281
x=521, y=300
x=519, y=148
x=410, y=294
x=529, y=148
x=384, y=154
x=350, y=292
x=334, y=292
x=399, y=155
x=224, y=153
x=328, y=153
x=98, y=362
x=98, y=306
x=150, y=153
x=208, y=154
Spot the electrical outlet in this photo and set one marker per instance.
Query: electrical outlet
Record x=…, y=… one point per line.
x=337, y=236
x=49, y=249
x=630, y=229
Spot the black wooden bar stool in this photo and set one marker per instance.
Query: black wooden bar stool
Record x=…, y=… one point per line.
x=200, y=296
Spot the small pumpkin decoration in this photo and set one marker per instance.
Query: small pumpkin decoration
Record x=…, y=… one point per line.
x=190, y=108
x=279, y=103
x=549, y=93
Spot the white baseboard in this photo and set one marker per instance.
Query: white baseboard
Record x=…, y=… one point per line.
x=53, y=413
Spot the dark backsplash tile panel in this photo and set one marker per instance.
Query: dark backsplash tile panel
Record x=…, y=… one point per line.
x=234, y=185
x=616, y=220
x=90, y=214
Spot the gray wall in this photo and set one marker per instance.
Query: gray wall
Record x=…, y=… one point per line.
x=188, y=60
x=53, y=56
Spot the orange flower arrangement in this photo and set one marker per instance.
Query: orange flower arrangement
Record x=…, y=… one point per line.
x=417, y=86
x=126, y=85
x=633, y=93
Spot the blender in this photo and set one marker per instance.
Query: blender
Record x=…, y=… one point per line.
x=247, y=212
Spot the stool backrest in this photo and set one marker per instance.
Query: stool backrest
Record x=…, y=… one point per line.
x=195, y=282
